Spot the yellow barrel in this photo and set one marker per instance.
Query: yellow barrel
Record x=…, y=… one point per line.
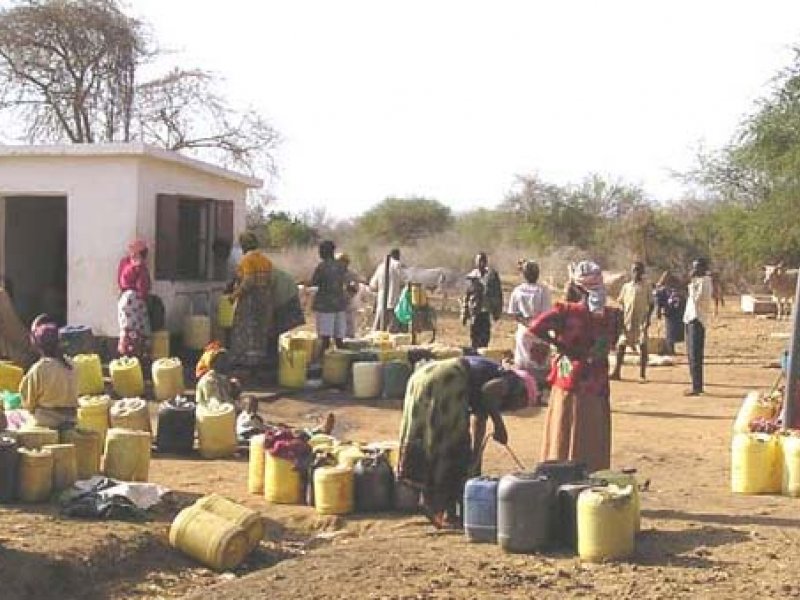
x=89, y=371
x=226, y=306
x=790, y=450
x=168, y=378
x=209, y=538
x=127, y=455
x=756, y=464
x=336, y=366
x=349, y=454
x=292, y=368
x=753, y=407
x=34, y=437
x=35, y=479
x=334, y=490
x=623, y=479
x=367, y=379
x=93, y=415
x=65, y=465
x=160, y=343
x=126, y=376
x=321, y=439
x=282, y=482
x=88, y=450
x=606, y=523
x=256, y=466
x=244, y=517
x=130, y=413
x=10, y=376
x=216, y=430
x=392, y=450
x=495, y=354
x=196, y=332
x=401, y=339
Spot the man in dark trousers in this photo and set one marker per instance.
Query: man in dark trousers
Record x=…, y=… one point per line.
x=482, y=302
x=696, y=317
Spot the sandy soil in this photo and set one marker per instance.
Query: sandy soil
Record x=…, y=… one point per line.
x=697, y=538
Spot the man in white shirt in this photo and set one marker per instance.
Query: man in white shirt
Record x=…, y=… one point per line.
x=392, y=292
x=695, y=317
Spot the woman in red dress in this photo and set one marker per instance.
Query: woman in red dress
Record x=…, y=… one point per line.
x=133, y=277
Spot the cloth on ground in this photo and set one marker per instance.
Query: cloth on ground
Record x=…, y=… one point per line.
x=104, y=498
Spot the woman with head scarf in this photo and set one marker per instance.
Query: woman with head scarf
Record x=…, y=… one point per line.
x=253, y=318
x=133, y=278
x=215, y=383
x=583, y=330
x=50, y=388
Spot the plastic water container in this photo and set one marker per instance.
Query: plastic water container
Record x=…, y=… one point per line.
x=209, y=538
x=167, y=378
x=130, y=413
x=754, y=406
x=623, y=478
x=127, y=455
x=336, y=366
x=126, y=377
x=396, y=374
x=390, y=448
x=88, y=450
x=196, y=332
x=282, y=481
x=561, y=471
x=77, y=339
x=89, y=372
x=367, y=379
x=256, y=465
x=480, y=509
x=374, y=484
x=160, y=344
x=334, y=490
x=35, y=479
x=244, y=517
x=10, y=376
x=756, y=464
x=524, y=511
x=349, y=454
x=93, y=415
x=65, y=465
x=606, y=524
x=9, y=468
x=226, y=307
x=216, y=430
x=567, y=520
x=292, y=365
x=790, y=446
x=176, y=425
x=304, y=341
x=34, y=437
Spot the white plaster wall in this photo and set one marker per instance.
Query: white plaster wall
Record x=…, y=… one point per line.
x=101, y=216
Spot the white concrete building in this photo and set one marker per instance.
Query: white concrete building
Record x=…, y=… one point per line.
x=67, y=214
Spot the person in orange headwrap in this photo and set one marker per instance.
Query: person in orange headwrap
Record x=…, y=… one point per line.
x=133, y=278
x=215, y=382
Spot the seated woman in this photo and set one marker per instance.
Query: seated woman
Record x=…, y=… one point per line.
x=215, y=382
x=439, y=447
x=50, y=388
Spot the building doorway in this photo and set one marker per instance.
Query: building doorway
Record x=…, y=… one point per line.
x=35, y=255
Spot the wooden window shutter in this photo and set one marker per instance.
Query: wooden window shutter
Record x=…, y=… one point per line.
x=167, y=236
x=223, y=223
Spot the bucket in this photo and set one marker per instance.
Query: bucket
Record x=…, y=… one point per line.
x=65, y=465
x=9, y=468
x=127, y=455
x=246, y=518
x=256, y=465
x=88, y=450
x=282, y=481
x=126, y=377
x=334, y=490
x=34, y=437
x=367, y=379
x=160, y=344
x=167, y=378
x=209, y=538
x=10, y=376
x=89, y=372
x=216, y=430
x=606, y=523
x=93, y=415
x=130, y=413
x=35, y=479
x=292, y=366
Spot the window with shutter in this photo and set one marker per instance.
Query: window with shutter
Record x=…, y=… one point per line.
x=223, y=238
x=167, y=237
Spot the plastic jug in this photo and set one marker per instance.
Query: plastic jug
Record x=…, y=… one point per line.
x=65, y=465
x=34, y=438
x=367, y=379
x=322, y=457
x=209, y=538
x=292, y=365
x=606, y=523
x=256, y=465
x=127, y=455
x=89, y=372
x=196, y=332
x=176, y=424
x=167, y=378
x=395, y=379
x=756, y=464
x=130, y=413
x=790, y=450
x=282, y=481
x=10, y=376
x=567, y=520
x=524, y=510
x=226, y=307
x=244, y=517
x=216, y=430
x=389, y=448
x=374, y=484
x=160, y=344
x=336, y=366
x=623, y=478
x=334, y=490
x=93, y=415
x=35, y=479
x=406, y=497
x=349, y=454
x=561, y=471
x=88, y=450
x=126, y=376
x=9, y=465
x=77, y=339
x=480, y=509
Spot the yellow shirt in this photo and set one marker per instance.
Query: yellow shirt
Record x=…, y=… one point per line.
x=49, y=384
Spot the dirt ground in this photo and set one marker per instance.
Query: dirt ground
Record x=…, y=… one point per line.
x=697, y=538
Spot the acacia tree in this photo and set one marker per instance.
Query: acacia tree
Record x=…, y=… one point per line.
x=69, y=72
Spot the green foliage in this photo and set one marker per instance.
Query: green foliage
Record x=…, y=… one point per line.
x=283, y=230
x=405, y=220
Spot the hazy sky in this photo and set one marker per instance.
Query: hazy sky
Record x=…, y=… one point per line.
x=451, y=98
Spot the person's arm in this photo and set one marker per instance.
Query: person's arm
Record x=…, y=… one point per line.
x=546, y=325
x=493, y=395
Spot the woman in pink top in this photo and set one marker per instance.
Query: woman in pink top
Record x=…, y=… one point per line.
x=133, y=278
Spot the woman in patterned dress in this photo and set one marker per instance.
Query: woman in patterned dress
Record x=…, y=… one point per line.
x=133, y=277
